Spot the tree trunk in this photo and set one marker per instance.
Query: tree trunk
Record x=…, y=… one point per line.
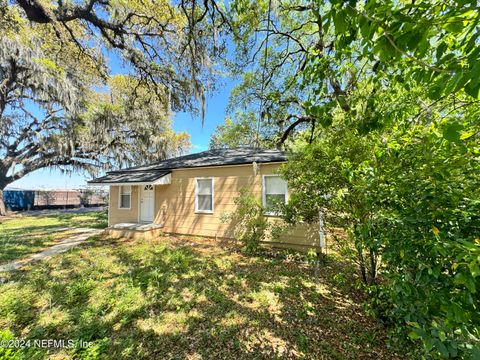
x=361, y=264
x=373, y=267
x=3, y=185
x=3, y=211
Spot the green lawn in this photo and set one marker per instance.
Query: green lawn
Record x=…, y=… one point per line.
x=179, y=298
x=21, y=236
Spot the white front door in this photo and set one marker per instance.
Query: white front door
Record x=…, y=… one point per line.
x=146, y=203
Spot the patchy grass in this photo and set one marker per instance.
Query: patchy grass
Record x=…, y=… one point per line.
x=21, y=236
x=174, y=298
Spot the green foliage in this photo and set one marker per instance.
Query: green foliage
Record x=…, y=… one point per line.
x=159, y=42
x=387, y=94
x=433, y=42
x=62, y=106
x=128, y=125
x=325, y=57
x=427, y=188
x=13, y=352
x=248, y=222
x=407, y=195
x=332, y=173
x=270, y=83
x=96, y=350
x=239, y=131
x=52, y=114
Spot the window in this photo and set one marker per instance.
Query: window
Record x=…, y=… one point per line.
x=204, y=195
x=274, y=193
x=125, y=197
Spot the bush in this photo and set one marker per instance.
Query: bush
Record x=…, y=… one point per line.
x=409, y=202
x=428, y=192
x=249, y=224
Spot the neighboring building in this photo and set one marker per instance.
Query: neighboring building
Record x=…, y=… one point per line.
x=19, y=199
x=189, y=194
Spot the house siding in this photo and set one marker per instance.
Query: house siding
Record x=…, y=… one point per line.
x=116, y=215
x=175, y=204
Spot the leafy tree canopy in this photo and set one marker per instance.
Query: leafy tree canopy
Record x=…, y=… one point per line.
x=407, y=197
x=317, y=54
x=58, y=109
x=166, y=44
x=242, y=130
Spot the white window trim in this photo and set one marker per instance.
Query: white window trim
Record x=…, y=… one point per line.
x=264, y=195
x=120, y=198
x=197, y=211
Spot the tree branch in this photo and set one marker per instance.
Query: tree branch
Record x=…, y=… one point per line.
x=300, y=120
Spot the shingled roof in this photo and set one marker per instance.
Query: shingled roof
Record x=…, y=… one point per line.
x=214, y=157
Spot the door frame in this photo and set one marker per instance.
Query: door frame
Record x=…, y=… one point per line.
x=140, y=192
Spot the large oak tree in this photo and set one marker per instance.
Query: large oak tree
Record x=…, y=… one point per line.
x=59, y=105
x=301, y=60
x=51, y=117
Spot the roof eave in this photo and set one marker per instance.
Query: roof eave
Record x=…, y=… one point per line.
x=159, y=182
x=200, y=167
x=166, y=179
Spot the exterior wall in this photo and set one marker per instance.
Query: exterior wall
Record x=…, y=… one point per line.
x=175, y=204
x=116, y=215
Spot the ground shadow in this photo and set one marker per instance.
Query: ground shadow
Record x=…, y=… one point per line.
x=162, y=299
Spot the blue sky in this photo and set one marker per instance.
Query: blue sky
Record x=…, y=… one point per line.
x=200, y=137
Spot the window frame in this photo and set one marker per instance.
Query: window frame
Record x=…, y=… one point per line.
x=197, y=210
x=120, y=197
x=264, y=194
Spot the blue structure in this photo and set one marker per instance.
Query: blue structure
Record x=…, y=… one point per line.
x=19, y=199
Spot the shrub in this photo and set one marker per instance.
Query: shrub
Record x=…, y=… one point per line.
x=249, y=224
x=409, y=202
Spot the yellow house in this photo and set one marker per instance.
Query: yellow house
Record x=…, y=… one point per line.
x=191, y=194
